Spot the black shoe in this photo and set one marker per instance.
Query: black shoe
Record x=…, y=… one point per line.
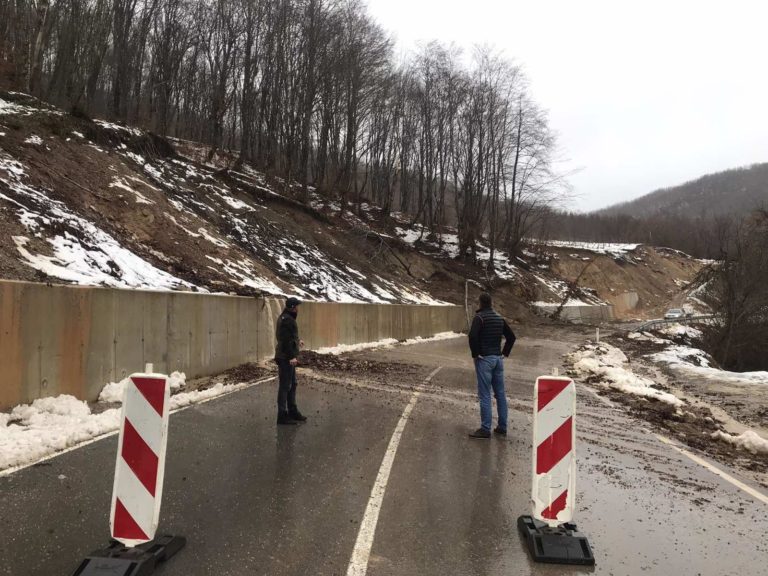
x=480, y=433
x=296, y=415
x=283, y=419
x=500, y=431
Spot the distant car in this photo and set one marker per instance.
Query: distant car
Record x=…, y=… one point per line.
x=674, y=314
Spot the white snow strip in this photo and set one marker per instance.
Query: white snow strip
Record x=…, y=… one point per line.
x=119, y=183
x=212, y=239
x=696, y=363
x=116, y=128
x=52, y=426
x=385, y=343
x=49, y=425
x=749, y=440
x=596, y=247
x=115, y=391
x=569, y=302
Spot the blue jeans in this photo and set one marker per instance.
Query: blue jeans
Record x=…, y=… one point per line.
x=490, y=376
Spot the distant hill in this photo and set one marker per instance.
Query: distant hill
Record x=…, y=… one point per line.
x=732, y=192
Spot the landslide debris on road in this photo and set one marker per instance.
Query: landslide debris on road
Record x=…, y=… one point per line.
x=700, y=418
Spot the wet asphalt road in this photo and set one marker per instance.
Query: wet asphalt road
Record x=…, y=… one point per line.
x=257, y=500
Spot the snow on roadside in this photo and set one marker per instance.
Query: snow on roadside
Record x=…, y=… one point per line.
x=680, y=331
x=569, y=302
x=750, y=441
x=696, y=363
x=607, y=366
x=386, y=343
x=31, y=432
x=646, y=337
x=49, y=425
x=114, y=391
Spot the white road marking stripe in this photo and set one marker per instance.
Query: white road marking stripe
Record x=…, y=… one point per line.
x=716, y=471
x=9, y=471
x=358, y=563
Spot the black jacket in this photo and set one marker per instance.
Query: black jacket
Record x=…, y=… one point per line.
x=485, y=334
x=287, y=337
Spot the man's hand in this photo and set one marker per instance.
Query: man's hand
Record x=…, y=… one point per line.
x=293, y=361
x=301, y=343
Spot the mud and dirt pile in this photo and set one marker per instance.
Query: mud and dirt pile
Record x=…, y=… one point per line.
x=699, y=405
x=358, y=367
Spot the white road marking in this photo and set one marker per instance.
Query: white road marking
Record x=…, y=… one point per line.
x=358, y=564
x=9, y=471
x=716, y=471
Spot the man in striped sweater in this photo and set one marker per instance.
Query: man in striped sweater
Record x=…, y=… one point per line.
x=485, y=335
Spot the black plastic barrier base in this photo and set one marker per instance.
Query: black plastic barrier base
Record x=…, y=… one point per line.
x=119, y=560
x=561, y=545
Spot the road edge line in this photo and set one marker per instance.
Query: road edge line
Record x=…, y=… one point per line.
x=757, y=495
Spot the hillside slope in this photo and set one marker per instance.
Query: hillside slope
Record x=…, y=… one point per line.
x=93, y=203
x=640, y=281
x=732, y=192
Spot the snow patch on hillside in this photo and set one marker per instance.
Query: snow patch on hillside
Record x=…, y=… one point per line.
x=446, y=245
x=222, y=212
x=611, y=249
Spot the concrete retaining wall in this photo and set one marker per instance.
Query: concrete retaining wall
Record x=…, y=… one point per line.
x=72, y=340
x=625, y=302
x=581, y=314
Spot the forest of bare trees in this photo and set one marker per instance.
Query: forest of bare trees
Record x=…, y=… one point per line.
x=737, y=290
x=307, y=90
x=688, y=217
x=693, y=235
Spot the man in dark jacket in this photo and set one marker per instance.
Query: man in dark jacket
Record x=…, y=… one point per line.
x=286, y=355
x=485, y=344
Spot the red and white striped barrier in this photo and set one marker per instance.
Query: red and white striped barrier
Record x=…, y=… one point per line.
x=554, y=460
x=138, y=486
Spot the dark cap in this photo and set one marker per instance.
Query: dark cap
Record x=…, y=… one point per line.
x=292, y=302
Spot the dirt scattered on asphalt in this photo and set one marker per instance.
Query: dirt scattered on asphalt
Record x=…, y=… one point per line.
x=245, y=373
x=358, y=366
x=694, y=424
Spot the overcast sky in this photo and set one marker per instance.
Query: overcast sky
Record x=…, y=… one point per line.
x=643, y=95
